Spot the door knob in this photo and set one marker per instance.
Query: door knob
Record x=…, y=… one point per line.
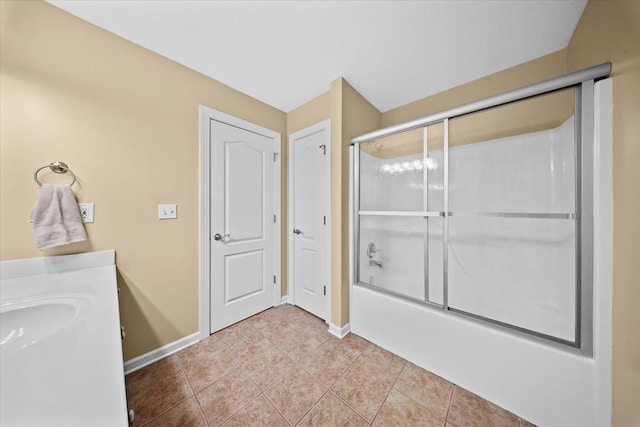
x=224, y=238
x=296, y=231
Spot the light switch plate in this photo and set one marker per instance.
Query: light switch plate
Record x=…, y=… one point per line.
x=86, y=211
x=167, y=211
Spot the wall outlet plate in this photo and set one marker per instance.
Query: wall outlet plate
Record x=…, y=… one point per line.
x=167, y=211
x=86, y=211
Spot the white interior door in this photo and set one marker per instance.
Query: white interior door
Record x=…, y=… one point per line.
x=242, y=224
x=310, y=181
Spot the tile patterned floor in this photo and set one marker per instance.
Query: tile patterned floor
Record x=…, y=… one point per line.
x=282, y=368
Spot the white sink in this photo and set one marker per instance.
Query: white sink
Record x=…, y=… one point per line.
x=60, y=345
x=27, y=321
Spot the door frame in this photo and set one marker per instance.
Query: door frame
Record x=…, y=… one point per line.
x=207, y=114
x=318, y=127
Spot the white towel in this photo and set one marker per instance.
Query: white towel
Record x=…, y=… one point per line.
x=56, y=218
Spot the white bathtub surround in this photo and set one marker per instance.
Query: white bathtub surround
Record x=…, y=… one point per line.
x=61, y=352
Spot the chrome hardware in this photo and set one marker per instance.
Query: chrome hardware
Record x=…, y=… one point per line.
x=374, y=263
x=371, y=249
x=296, y=231
x=123, y=334
x=224, y=238
x=57, y=167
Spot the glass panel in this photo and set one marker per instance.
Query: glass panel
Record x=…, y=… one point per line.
x=516, y=271
x=515, y=158
x=434, y=227
x=392, y=254
x=391, y=173
x=434, y=165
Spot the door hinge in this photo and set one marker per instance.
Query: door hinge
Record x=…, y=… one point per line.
x=324, y=220
x=325, y=290
x=324, y=149
x=275, y=156
x=274, y=218
x=274, y=279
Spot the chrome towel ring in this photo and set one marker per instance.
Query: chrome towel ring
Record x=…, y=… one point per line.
x=57, y=167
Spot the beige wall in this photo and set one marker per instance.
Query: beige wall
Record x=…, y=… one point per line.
x=126, y=122
x=610, y=31
x=351, y=115
x=530, y=72
x=309, y=113
x=530, y=115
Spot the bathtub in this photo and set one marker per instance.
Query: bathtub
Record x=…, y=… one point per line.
x=60, y=345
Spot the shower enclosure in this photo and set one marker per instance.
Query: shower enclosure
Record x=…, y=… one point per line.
x=485, y=211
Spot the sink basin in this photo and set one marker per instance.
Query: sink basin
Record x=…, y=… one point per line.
x=26, y=321
x=60, y=345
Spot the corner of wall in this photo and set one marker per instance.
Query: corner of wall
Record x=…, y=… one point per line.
x=609, y=31
x=351, y=115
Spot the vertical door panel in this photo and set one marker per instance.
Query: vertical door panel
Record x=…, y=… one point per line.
x=242, y=216
x=310, y=182
x=244, y=192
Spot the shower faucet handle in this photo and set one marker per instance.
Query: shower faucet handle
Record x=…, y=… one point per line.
x=371, y=249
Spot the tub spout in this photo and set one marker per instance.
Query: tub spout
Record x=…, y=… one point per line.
x=374, y=263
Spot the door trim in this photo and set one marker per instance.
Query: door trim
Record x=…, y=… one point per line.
x=207, y=114
x=318, y=127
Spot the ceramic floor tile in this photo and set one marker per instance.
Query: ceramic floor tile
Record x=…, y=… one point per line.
x=250, y=345
x=260, y=412
x=331, y=411
x=234, y=333
x=279, y=313
x=188, y=413
x=290, y=310
x=300, y=346
x=427, y=389
x=525, y=423
x=316, y=329
x=227, y=396
x=326, y=365
x=279, y=333
x=156, y=388
x=275, y=368
x=206, y=362
x=363, y=392
x=259, y=320
x=350, y=346
x=399, y=410
x=295, y=393
x=265, y=368
x=469, y=410
x=381, y=363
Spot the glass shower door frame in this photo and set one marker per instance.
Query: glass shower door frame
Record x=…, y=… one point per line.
x=582, y=218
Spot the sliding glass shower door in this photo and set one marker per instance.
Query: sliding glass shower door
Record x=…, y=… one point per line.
x=512, y=225
x=480, y=215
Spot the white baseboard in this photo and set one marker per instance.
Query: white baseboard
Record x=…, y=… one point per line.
x=338, y=331
x=285, y=300
x=160, y=353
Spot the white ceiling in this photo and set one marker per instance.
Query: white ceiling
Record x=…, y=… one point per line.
x=287, y=52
